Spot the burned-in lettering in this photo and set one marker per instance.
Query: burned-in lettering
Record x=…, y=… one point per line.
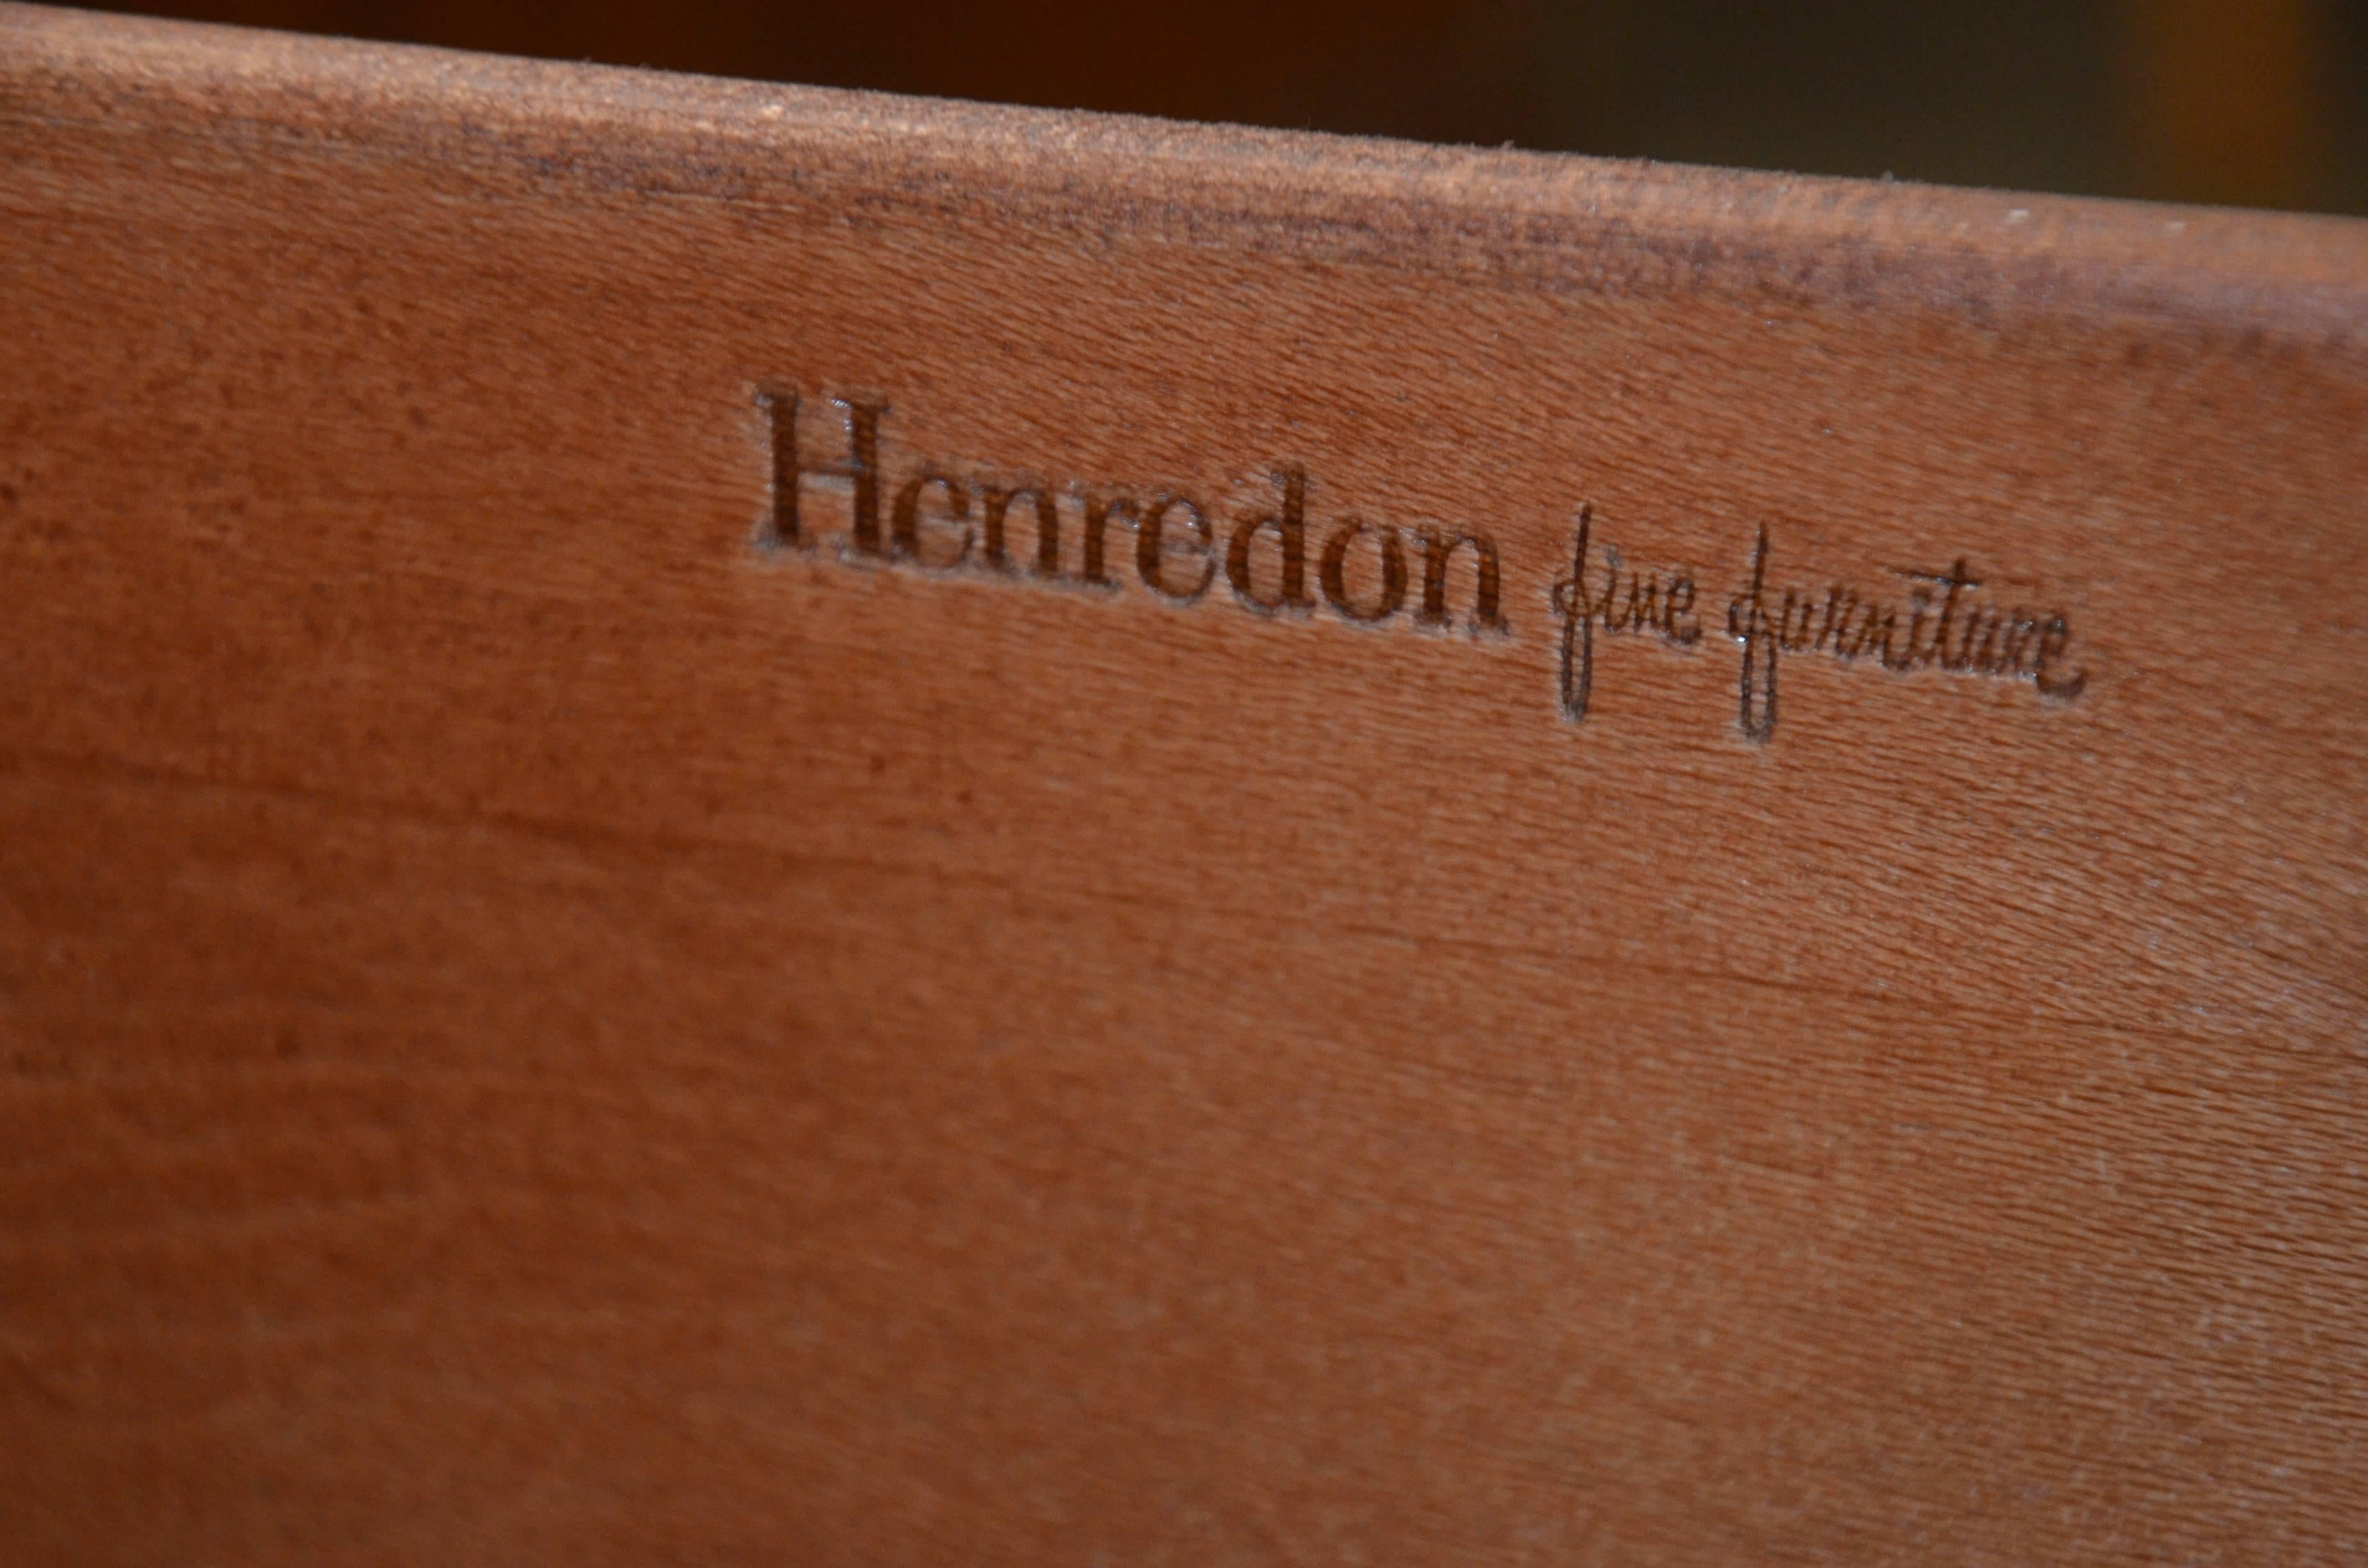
x=1101, y=511
x=906, y=520
x=1653, y=603
x=960, y=519
x=860, y=466
x=1439, y=551
x=1946, y=626
x=997, y=507
x=1153, y=549
x=1289, y=528
x=1335, y=571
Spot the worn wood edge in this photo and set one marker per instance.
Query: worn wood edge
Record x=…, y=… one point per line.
x=1597, y=226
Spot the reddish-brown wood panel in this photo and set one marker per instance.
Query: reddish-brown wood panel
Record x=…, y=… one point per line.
x=549, y=1014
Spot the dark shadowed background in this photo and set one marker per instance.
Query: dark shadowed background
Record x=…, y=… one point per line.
x=2260, y=102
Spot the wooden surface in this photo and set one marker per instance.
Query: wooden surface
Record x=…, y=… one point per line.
x=554, y=1007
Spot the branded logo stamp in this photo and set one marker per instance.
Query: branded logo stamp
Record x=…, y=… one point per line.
x=1280, y=561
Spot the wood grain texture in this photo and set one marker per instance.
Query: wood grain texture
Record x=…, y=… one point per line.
x=540, y=1022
